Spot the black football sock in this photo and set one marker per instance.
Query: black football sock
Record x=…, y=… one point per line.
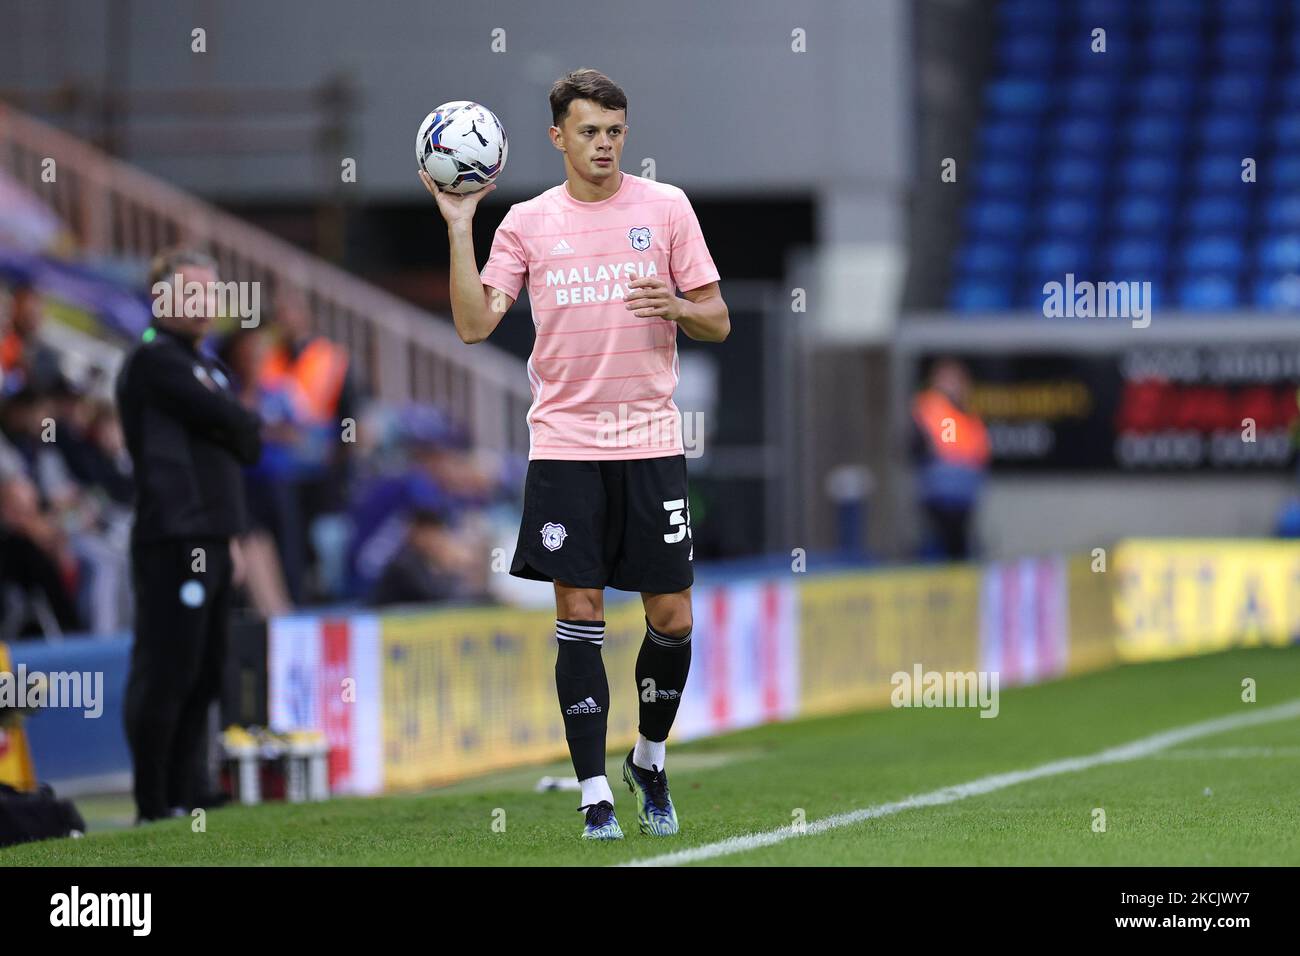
x=661, y=669
x=584, y=693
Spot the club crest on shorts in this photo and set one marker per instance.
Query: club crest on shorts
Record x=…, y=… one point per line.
x=640, y=236
x=553, y=536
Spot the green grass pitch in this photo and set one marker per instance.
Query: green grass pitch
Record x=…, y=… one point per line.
x=1226, y=799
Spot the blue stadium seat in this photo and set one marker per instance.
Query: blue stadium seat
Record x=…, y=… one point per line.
x=1056, y=257
x=1220, y=253
x=1279, y=252
x=1156, y=132
x=1022, y=14
x=1102, y=13
x=1260, y=12
x=1075, y=174
x=1004, y=176
x=1238, y=91
x=1167, y=13
x=1286, y=131
x=1143, y=213
x=1225, y=213
x=1237, y=131
x=1173, y=49
x=981, y=295
x=1282, y=212
x=1027, y=54
x=1069, y=217
x=1218, y=172
x=998, y=217
x=1281, y=171
x=1083, y=134
x=1010, y=136
x=1208, y=293
x=1135, y=257
x=1099, y=93
x=1251, y=47
x=1277, y=293
x=1154, y=173
x=1120, y=49
x=1289, y=91
x=1017, y=97
x=1166, y=91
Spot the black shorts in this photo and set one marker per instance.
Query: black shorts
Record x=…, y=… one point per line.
x=596, y=524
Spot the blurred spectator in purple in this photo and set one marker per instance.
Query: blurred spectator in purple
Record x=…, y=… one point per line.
x=435, y=471
x=430, y=566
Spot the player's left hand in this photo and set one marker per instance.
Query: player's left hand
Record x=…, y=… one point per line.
x=650, y=297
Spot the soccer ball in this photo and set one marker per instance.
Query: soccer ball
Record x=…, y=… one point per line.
x=462, y=146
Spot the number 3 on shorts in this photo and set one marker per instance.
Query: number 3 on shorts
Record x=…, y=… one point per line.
x=679, y=517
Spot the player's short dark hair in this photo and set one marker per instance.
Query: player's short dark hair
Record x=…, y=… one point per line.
x=169, y=261
x=585, y=84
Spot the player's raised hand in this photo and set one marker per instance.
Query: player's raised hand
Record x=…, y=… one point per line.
x=454, y=208
x=650, y=297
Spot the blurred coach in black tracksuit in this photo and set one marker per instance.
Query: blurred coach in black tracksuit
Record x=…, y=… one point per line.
x=188, y=436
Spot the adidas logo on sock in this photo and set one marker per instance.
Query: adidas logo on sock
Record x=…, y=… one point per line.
x=587, y=706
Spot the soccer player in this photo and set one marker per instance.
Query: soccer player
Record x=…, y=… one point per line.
x=605, y=498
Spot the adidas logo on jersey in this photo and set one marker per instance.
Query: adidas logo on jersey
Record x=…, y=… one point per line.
x=587, y=706
x=562, y=248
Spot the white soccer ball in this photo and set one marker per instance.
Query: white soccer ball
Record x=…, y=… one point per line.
x=462, y=146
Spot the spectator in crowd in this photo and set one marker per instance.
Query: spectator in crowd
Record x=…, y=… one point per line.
x=951, y=449
x=27, y=361
x=38, y=571
x=314, y=379
x=90, y=441
x=430, y=565
x=28, y=434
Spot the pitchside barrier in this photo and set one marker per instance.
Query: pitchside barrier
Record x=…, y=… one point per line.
x=416, y=698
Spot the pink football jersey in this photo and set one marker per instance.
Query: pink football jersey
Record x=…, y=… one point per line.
x=602, y=378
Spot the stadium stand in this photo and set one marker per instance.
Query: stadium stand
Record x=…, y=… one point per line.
x=1129, y=163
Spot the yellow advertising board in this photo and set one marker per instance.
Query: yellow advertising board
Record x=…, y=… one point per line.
x=1091, y=614
x=1174, y=598
x=858, y=629
x=16, y=767
x=468, y=691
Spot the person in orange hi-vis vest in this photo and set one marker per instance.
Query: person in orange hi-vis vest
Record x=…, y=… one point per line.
x=314, y=375
x=951, y=448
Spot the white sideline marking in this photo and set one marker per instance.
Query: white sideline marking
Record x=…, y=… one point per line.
x=1230, y=753
x=1121, y=754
